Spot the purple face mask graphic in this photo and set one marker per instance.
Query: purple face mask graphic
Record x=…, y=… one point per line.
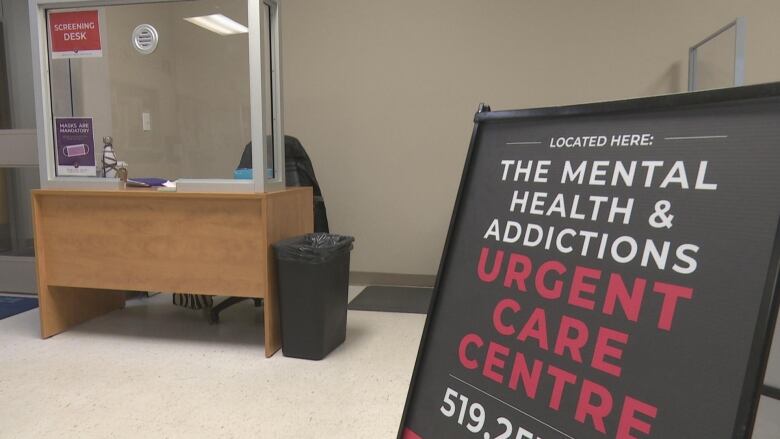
x=75, y=150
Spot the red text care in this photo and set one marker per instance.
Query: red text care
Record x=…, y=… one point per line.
x=568, y=337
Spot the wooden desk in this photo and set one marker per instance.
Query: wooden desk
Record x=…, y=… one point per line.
x=92, y=245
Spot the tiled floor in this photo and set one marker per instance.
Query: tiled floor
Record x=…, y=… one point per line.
x=157, y=371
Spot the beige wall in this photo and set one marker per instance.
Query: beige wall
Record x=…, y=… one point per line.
x=382, y=94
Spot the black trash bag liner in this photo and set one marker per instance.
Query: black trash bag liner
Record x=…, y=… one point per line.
x=313, y=248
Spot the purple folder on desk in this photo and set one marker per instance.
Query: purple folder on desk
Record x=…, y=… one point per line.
x=151, y=181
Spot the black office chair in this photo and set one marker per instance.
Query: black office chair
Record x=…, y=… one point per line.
x=299, y=171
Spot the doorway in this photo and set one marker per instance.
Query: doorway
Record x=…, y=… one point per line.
x=18, y=151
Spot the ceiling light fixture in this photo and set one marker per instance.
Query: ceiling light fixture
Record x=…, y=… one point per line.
x=219, y=24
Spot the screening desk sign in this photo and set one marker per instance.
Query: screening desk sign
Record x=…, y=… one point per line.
x=75, y=34
x=75, y=146
x=609, y=273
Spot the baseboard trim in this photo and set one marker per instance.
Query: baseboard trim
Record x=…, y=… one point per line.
x=391, y=279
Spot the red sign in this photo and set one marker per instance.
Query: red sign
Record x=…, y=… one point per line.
x=75, y=34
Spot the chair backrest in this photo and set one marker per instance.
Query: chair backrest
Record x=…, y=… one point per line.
x=299, y=171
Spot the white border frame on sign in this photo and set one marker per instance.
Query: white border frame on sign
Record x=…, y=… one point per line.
x=46, y=159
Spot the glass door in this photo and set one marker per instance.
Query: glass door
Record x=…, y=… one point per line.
x=18, y=151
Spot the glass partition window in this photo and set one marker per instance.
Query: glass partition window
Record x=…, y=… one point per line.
x=718, y=60
x=715, y=62
x=268, y=101
x=171, y=87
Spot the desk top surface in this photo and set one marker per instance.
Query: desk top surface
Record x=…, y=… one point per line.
x=153, y=192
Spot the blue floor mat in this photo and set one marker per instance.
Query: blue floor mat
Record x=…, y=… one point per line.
x=11, y=306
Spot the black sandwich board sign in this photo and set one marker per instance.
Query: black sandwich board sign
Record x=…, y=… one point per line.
x=609, y=272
